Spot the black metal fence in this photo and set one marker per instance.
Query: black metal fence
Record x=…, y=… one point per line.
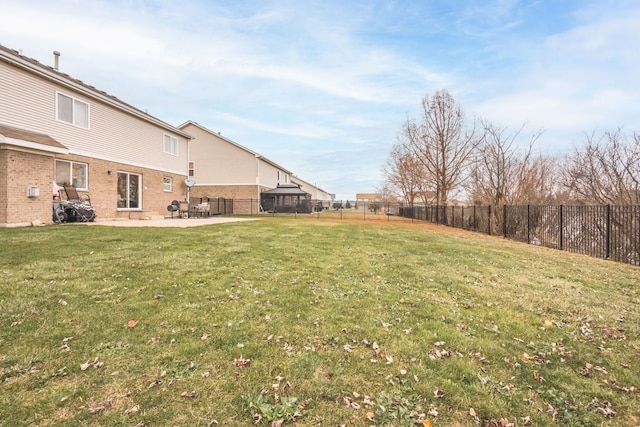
x=609, y=232
x=604, y=231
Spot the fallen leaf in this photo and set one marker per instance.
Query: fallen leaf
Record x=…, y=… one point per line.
x=191, y=393
x=537, y=377
x=427, y=423
x=132, y=323
x=132, y=411
x=369, y=416
x=552, y=411
x=476, y=419
x=242, y=362
x=155, y=383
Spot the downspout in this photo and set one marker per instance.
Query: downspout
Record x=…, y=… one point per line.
x=188, y=161
x=258, y=175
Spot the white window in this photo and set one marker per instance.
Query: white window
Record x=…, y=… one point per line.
x=192, y=169
x=72, y=110
x=129, y=190
x=170, y=144
x=72, y=173
x=167, y=183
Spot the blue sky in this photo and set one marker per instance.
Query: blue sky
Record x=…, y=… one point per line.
x=322, y=87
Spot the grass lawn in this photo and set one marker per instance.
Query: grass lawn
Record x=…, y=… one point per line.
x=311, y=321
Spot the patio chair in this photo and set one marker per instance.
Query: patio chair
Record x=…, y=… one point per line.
x=76, y=207
x=202, y=209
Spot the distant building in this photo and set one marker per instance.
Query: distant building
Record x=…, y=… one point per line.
x=368, y=197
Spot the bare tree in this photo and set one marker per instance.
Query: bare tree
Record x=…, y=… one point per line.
x=505, y=173
x=404, y=173
x=537, y=182
x=441, y=143
x=606, y=170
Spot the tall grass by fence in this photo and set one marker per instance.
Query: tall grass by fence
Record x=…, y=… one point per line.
x=609, y=232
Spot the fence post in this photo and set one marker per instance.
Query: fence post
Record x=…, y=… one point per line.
x=504, y=221
x=475, y=219
x=561, y=227
x=528, y=223
x=489, y=221
x=608, y=233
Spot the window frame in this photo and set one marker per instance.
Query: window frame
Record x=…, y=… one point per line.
x=167, y=184
x=128, y=196
x=192, y=169
x=173, y=144
x=74, y=116
x=71, y=163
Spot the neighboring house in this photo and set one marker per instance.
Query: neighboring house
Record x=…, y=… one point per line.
x=368, y=197
x=222, y=168
x=319, y=197
x=55, y=128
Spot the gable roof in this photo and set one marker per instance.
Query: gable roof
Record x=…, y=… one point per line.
x=28, y=139
x=368, y=196
x=33, y=66
x=302, y=183
x=286, y=190
x=218, y=135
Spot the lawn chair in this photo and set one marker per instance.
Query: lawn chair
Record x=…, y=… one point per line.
x=202, y=209
x=76, y=207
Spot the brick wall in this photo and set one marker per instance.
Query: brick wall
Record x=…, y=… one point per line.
x=3, y=186
x=19, y=170
x=103, y=182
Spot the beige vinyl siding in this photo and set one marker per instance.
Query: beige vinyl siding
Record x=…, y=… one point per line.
x=269, y=175
x=113, y=134
x=218, y=162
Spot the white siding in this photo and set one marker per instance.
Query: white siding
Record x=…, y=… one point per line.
x=29, y=102
x=218, y=162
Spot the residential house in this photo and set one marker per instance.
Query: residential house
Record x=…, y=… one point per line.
x=55, y=128
x=222, y=168
x=320, y=199
x=368, y=197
